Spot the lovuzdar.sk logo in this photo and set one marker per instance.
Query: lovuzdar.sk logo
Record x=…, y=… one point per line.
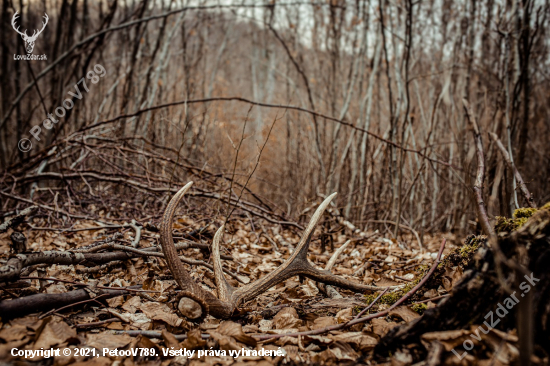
x=29, y=40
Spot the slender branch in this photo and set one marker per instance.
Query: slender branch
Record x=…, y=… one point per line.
x=478, y=184
x=512, y=167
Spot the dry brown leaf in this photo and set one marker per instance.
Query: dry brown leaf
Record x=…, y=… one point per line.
x=381, y=327
x=54, y=333
x=31, y=322
x=360, y=340
x=226, y=342
x=139, y=320
x=194, y=340
x=401, y=358
x=13, y=333
x=405, y=313
x=286, y=318
x=342, y=355
x=292, y=353
x=344, y=316
x=158, y=311
x=235, y=330
x=107, y=340
x=323, y=322
x=115, y=301
x=169, y=339
x=265, y=325
x=56, y=288
x=430, y=293
x=309, y=289
x=447, y=283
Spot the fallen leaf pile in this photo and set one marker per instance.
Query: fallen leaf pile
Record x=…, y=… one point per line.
x=148, y=318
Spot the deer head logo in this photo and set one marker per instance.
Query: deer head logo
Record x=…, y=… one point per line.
x=29, y=41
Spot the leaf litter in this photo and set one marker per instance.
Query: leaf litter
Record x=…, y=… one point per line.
x=149, y=319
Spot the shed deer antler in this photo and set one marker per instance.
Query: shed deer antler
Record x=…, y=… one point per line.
x=229, y=298
x=29, y=41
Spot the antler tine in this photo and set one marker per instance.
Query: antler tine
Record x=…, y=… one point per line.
x=296, y=264
x=167, y=242
x=190, y=290
x=224, y=289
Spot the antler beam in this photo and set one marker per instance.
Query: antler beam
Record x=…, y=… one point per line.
x=230, y=298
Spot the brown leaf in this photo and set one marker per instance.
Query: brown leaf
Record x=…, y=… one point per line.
x=342, y=355
x=194, y=340
x=323, y=322
x=401, y=358
x=309, y=289
x=169, y=339
x=345, y=315
x=55, y=333
x=447, y=284
x=360, y=340
x=226, y=342
x=235, y=330
x=158, y=311
x=381, y=327
x=31, y=322
x=405, y=313
x=286, y=318
x=449, y=339
x=56, y=288
x=107, y=340
x=115, y=301
x=13, y=333
x=430, y=294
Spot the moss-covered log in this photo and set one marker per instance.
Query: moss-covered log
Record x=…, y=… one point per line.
x=481, y=290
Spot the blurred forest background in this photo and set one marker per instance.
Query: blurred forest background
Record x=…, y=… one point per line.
x=279, y=103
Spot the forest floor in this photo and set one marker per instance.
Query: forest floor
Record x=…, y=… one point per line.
x=144, y=316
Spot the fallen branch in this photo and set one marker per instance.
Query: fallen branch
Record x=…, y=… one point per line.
x=17, y=219
x=43, y=302
x=12, y=270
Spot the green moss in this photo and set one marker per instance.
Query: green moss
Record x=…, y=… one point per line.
x=459, y=257
x=419, y=308
x=391, y=298
x=524, y=212
x=546, y=206
x=520, y=217
x=467, y=250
